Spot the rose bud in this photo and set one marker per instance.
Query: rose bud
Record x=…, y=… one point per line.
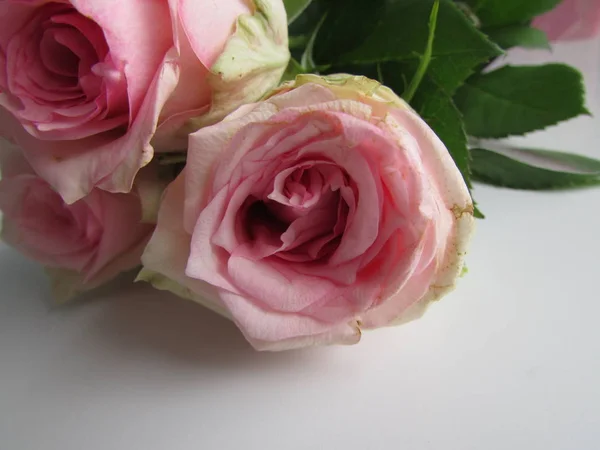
x=327, y=208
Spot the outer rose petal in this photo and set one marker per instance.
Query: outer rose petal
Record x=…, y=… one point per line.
x=251, y=63
x=192, y=96
x=458, y=218
x=166, y=255
x=138, y=34
x=209, y=24
x=273, y=331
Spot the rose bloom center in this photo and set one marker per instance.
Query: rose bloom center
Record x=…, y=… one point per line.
x=304, y=216
x=60, y=75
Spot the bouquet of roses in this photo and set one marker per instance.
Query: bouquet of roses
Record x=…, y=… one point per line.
x=301, y=167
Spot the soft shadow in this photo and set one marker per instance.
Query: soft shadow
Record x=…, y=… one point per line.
x=139, y=320
x=133, y=321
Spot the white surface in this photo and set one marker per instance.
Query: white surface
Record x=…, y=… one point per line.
x=511, y=360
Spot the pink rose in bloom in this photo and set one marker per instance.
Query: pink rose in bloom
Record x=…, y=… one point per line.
x=85, y=83
x=571, y=19
x=328, y=208
x=83, y=244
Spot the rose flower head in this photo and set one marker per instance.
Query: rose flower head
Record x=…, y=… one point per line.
x=84, y=244
x=328, y=208
x=91, y=88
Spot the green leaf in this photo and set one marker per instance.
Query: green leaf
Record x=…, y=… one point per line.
x=373, y=31
x=494, y=13
x=294, y=68
x=295, y=8
x=477, y=212
x=534, y=169
x=439, y=111
x=519, y=36
x=305, y=22
x=296, y=42
x=307, y=60
x=426, y=58
x=516, y=100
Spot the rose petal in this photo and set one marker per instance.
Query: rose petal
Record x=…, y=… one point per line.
x=209, y=24
x=203, y=152
x=145, y=22
x=193, y=91
x=268, y=283
x=206, y=261
x=168, y=249
x=115, y=211
x=267, y=330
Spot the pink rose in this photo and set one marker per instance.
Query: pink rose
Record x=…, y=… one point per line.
x=84, y=84
x=572, y=19
x=328, y=208
x=83, y=244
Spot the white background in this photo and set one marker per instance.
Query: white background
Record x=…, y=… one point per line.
x=511, y=360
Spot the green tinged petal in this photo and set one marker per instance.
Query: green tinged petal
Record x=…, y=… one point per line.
x=253, y=61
